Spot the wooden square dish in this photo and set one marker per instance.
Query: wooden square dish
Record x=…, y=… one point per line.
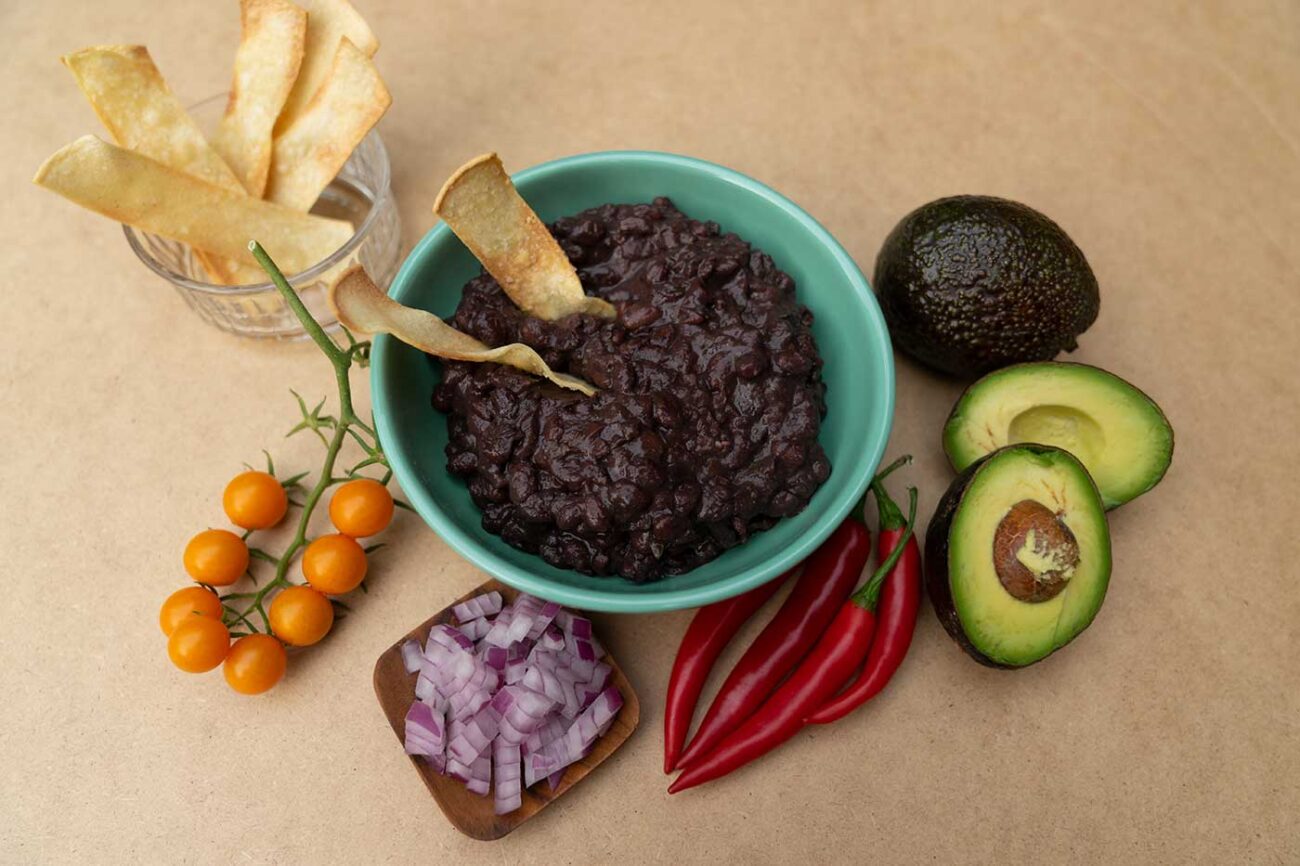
x=469, y=813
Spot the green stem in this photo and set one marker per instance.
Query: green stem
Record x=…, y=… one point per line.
x=337, y=356
x=258, y=553
x=869, y=595
x=887, y=510
x=860, y=510
x=348, y=424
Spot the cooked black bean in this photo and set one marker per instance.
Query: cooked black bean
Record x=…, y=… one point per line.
x=705, y=428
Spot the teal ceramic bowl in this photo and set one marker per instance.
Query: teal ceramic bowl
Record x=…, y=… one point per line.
x=850, y=333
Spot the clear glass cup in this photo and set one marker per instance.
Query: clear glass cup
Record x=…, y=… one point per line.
x=361, y=194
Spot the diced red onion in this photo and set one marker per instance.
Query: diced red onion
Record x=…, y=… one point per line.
x=516, y=692
x=595, y=684
x=522, y=709
x=450, y=637
x=497, y=635
x=583, y=669
x=584, y=648
x=424, y=688
x=520, y=627
x=458, y=771
x=467, y=702
x=475, y=629
x=551, y=639
x=578, y=739
x=551, y=729
x=516, y=662
x=578, y=626
x=544, y=619
x=473, y=738
x=606, y=707
x=478, y=607
x=480, y=781
x=506, y=769
x=422, y=724
x=425, y=735
x=411, y=656
x=495, y=656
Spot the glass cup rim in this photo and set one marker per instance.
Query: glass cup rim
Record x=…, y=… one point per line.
x=382, y=192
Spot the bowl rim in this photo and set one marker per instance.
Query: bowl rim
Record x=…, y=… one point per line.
x=359, y=233
x=629, y=602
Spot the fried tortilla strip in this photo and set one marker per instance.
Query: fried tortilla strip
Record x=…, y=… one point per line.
x=483, y=208
x=140, y=111
x=310, y=151
x=328, y=22
x=361, y=306
x=134, y=189
x=266, y=66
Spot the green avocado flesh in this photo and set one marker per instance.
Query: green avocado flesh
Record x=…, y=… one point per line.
x=969, y=594
x=1118, y=432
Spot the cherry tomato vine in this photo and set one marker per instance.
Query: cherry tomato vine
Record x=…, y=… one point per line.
x=333, y=564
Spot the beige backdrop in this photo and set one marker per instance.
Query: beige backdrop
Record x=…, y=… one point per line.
x=1164, y=137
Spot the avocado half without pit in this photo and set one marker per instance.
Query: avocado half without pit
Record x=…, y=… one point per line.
x=1118, y=432
x=1018, y=555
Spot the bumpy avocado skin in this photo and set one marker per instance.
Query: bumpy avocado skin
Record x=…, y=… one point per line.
x=936, y=565
x=969, y=284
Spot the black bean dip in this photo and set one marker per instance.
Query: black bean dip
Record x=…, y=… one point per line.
x=705, y=428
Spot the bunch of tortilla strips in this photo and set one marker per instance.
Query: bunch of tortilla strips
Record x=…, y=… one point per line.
x=482, y=207
x=304, y=95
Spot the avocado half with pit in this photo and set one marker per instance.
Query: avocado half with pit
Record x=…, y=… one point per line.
x=1118, y=432
x=1017, y=555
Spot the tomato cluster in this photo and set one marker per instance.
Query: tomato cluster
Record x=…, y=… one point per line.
x=198, y=621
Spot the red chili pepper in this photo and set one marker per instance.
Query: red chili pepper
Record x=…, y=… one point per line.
x=830, y=664
x=709, y=633
x=896, y=621
x=828, y=577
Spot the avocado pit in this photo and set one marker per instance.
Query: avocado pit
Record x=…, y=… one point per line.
x=1034, y=552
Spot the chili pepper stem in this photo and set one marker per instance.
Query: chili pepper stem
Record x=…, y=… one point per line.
x=860, y=510
x=890, y=515
x=869, y=595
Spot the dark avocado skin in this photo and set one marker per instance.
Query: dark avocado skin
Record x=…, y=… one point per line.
x=970, y=283
x=936, y=564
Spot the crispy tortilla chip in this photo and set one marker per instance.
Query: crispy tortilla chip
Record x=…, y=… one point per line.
x=266, y=66
x=142, y=114
x=309, y=152
x=140, y=111
x=134, y=189
x=361, y=306
x=483, y=208
x=328, y=22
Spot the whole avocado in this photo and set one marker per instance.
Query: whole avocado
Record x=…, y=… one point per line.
x=972, y=283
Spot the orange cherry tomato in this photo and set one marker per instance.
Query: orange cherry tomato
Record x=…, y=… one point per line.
x=255, y=663
x=300, y=615
x=255, y=500
x=361, y=507
x=334, y=564
x=198, y=644
x=217, y=557
x=187, y=602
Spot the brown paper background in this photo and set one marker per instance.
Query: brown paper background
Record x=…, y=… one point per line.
x=1164, y=136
